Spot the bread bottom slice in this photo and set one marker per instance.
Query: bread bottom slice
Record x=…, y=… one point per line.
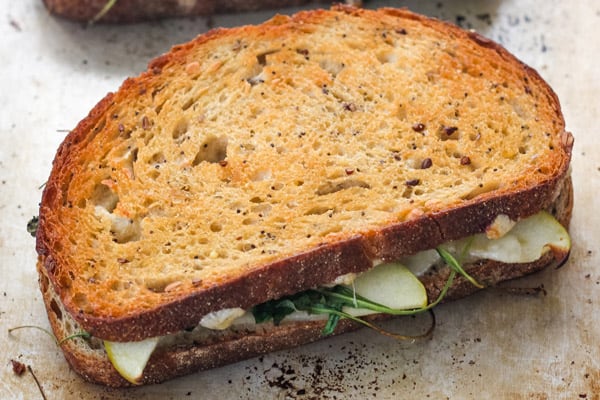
x=88, y=358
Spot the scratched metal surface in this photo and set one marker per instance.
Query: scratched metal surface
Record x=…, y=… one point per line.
x=492, y=345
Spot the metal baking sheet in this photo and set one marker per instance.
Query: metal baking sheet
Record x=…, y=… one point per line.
x=491, y=345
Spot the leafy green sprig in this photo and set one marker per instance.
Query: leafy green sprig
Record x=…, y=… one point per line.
x=455, y=266
x=331, y=301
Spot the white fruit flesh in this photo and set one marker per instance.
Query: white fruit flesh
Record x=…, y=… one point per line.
x=391, y=285
x=130, y=358
x=527, y=241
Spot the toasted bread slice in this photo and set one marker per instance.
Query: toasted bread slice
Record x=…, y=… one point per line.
x=256, y=162
x=182, y=356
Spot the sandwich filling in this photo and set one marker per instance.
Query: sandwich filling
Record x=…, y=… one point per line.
x=392, y=288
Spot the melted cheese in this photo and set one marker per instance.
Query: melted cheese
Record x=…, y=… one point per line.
x=221, y=319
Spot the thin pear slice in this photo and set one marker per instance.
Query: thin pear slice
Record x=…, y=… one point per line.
x=391, y=285
x=130, y=358
x=526, y=242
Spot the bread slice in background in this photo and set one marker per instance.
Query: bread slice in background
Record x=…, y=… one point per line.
x=125, y=11
x=257, y=162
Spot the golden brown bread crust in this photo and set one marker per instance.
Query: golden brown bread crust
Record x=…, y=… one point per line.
x=126, y=11
x=181, y=360
x=322, y=263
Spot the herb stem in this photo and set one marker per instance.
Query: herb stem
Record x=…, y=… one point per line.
x=109, y=4
x=47, y=332
x=37, y=382
x=361, y=302
x=82, y=334
x=329, y=328
x=455, y=265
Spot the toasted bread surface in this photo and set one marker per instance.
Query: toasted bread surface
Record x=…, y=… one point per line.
x=88, y=358
x=259, y=161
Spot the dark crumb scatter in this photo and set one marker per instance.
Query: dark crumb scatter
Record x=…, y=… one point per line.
x=460, y=20
x=544, y=48
x=486, y=17
x=324, y=378
x=15, y=25
x=210, y=22
x=18, y=367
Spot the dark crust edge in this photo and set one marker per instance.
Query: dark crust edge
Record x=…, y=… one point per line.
x=272, y=281
x=314, y=267
x=182, y=360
